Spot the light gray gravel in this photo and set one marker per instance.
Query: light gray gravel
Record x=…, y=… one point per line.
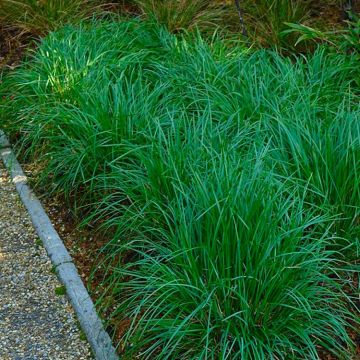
x=35, y=322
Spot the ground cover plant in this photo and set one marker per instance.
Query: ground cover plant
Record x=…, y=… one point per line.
x=270, y=18
x=39, y=17
x=184, y=14
x=227, y=180
x=260, y=22
x=256, y=23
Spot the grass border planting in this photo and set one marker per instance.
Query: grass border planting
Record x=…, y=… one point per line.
x=226, y=179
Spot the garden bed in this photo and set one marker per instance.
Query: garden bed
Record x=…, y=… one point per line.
x=85, y=246
x=217, y=185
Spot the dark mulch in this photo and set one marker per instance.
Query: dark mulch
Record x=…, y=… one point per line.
x=13, y=46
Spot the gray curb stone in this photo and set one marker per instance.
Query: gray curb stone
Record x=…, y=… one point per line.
x=91, y=324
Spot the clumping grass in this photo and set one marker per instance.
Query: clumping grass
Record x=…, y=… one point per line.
x=326, y=156
x=269, y=18
x=184, y=14
x=228, y=180
x=40, y=16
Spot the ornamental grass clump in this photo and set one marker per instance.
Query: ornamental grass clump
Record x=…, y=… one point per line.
x=269, y=18
x=38, y=17
x=224, y=260
x=226, y=179
x=186, y=15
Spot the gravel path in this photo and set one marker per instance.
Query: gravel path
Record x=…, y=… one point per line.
x=36, y=319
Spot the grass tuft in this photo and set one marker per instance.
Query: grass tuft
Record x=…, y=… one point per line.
x=228, y=180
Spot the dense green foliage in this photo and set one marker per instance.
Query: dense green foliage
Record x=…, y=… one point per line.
x=228, y=180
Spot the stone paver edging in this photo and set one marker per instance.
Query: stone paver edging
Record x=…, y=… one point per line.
x=80, y=299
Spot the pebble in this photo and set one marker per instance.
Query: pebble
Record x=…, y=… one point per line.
x=35, y=323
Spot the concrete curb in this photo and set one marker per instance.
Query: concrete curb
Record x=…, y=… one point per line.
x=80, y=299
